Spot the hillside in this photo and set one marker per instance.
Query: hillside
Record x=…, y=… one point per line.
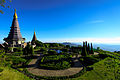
x=11, y=74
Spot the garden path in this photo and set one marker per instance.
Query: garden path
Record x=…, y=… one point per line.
x=42, y=72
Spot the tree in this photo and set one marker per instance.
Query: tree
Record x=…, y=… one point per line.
x=52, y=52
x=2, y=56
x=54, y=44
x=92, y=51
x=67, y=46
x=84, y=52
x=8, y=49
x=88, y=51
x=98, y=48
x=27, y=50
x=19, y=49
x=61, y=45
x=38, y=43
x=46, y=45
x=31, y=51
x=43, y=50
x=86, y=45
x=2, y=4
x=64, y=50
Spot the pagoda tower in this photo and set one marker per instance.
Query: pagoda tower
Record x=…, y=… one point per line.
x=34, y=37
x=14, y=38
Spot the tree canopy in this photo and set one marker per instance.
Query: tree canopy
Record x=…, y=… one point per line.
x=3, y=4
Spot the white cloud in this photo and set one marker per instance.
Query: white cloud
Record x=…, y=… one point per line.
x=91, y=40
x=96, y=21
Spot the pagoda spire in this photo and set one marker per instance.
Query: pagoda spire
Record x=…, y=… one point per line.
x=14, y=37
x=15, y=30
x=15, y=14
x=34, y=37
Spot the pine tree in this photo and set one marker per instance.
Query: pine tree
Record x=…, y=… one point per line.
x=88, y=51
x=31, y=51
x=25, y=51
x=84, y=52
x=92, y=51
x=86, y=45
x=28, y=50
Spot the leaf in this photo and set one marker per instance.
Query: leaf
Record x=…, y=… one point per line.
x=1, y=11
x=2, y=1
x=3, y=5
x=8, y=6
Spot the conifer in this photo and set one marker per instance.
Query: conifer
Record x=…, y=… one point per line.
x=88, y=51
x=84, y=52
x=86, y=45
x=92, y=51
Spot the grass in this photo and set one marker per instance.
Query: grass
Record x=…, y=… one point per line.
x=11, y=74
x=107, y=69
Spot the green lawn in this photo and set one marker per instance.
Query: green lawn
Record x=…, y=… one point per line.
x=11, y=74
x=106, y=69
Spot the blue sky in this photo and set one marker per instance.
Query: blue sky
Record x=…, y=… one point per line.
x=65, y=20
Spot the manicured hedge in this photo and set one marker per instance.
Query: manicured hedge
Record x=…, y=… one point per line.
x=1, y=70
x=56, y=62
x=17, y=53
x=16, y=60
x=55, y=57
x=56, y=65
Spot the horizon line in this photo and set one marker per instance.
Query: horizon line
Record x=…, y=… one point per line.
x=80, y=40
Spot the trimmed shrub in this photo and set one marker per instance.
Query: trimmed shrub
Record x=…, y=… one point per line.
x=1, y=70
x=56, y=62
x=56, y=65
x=52, y=52
x=19, y=49
x=16, y=60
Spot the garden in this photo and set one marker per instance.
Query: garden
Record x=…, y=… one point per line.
x=94, y=65
x=56, y=62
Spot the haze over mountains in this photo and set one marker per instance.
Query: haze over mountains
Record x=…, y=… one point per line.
x=106, y=47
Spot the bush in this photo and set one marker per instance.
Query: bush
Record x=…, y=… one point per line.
x=53, y=45
x=28, y=50
x=52, y=52
x=89, y=68
x=55, y=57
x=56, y=65
x=19, y=49
x=16, y=60
x=64, y=50
x=17, y=54
x=1, y=70
x=56, y=62
x=90, y=60
x=7, y=49
x=38, y=43
x=43, y=50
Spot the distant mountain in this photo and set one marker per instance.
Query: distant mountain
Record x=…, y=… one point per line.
x=106, y=47
x=1, y=42
x=71, y=44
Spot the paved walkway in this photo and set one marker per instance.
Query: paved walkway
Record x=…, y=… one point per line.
x=42, y=72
